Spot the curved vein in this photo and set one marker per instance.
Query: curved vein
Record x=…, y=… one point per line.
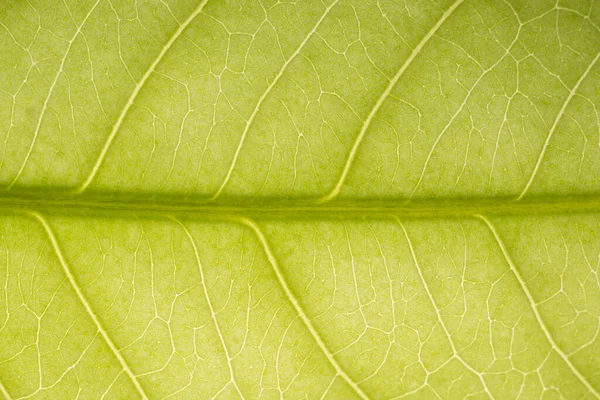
x=352, y=155
x=134, y=94
x=49, y=232
x=208, y=301
x=47, y=100
x=437, y=312
x=264, y=96
x=458, y=111
x=533, y=306
x=555, y=124
x=282, y=281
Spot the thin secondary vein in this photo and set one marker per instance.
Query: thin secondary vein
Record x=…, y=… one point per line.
x=264, y=96
x=534, y=307
x=437, y=312
x=209, y=302
x=559, y=116
x=47, y=100
x=367, y=123
x=135, y=93
x=282, y=281
x=49, y=232
x=459, y=111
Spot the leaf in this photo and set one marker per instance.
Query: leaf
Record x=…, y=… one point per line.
x=313, y=199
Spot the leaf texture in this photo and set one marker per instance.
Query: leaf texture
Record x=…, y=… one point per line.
x=313, y=199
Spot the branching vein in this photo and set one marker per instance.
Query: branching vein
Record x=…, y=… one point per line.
x=292, y=298
x=134, y=95
x=86, y=304
x=534, y=307
x=367, y=123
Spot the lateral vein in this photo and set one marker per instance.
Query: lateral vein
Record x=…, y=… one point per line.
x=559, y=116
x=4, y=391
x=49, y=232
x=134, y=94
x=366, y=125
x=264, y=96
x=209, y=302
x=292, y=299
x=534, y=307
x=47, y=100
x=438, y=314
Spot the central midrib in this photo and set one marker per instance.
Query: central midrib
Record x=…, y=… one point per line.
x=112, y=203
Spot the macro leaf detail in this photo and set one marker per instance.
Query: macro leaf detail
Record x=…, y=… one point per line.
x=323, y=199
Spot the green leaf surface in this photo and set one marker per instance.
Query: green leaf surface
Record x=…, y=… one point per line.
x=321, y=199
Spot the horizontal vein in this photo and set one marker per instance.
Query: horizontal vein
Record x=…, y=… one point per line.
x=85, y=303
x=534, y=307
x=274, y=208
x=282, y=281
x=134, y=94
x=352, y=155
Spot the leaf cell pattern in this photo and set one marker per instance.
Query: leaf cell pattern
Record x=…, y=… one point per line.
x=323, y=199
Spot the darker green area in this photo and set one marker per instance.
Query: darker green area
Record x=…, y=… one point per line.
x=123, y=204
